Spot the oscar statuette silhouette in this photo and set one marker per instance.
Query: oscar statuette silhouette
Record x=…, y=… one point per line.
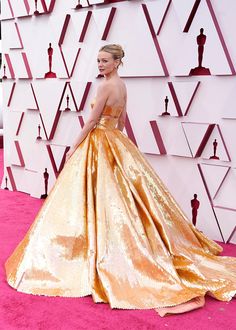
x=50, y=74
x=39, y=136
x=45, y=176
x=36, y=12
x=166, y=113
x=4, y=72
x=195, y=206
x=67, y=103
x=214, y=149
x=6, y=188
x=78, y=6
x=200, y=70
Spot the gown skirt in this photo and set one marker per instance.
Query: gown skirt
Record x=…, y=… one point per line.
x=111, y=229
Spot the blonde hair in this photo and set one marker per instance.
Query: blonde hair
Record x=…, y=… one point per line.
x=114, y=49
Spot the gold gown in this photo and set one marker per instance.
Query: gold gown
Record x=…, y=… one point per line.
x=109, y=228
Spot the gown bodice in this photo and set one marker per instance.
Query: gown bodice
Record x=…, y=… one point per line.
x=109, y=117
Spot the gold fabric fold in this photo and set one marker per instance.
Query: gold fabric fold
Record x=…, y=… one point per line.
x=110, y=228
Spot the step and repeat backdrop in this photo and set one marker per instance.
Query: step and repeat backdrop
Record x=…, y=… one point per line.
x=179, y=67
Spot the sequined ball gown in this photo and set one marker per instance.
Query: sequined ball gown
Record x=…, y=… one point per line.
x=109, y=228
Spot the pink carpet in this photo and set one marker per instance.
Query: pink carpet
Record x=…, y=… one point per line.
x=22, y=311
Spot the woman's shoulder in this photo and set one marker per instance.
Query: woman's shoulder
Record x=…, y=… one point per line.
x=111, y=86
x=105, y=85
x=118, y=84
x=112, y=82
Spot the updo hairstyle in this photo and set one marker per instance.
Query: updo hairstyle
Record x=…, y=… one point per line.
x=116, y=51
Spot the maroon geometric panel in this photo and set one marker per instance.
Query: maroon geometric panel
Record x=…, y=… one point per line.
x=51, y=134
x=24, y=8
x=85, y=27
x=191, y=16
x=69, y=72
x=51, y=6
x=158, y=11
x=90, y=3
x=11, y=178
x=19, y=153
x=204, y=140
x=104, y=19
x=155, y=40
x=158, y=138
x=217, y=27
x=53, y=162
x=224, y=197
x=198, y=136
x=214, y=177
x=27, y=7
x=48, y=8
x=11, y=94
x=47, y=121
x=81, y=121
x=60, y=43
x=181, y=112
x=210, y=199
x=108, y=25
x=27, y=67
x=164, y=16
x=66, y=92
x=19, y=124
x=231, y=235
x=129, y=130
x=9, y=65
x=219, y=182
x=85, y=95
x=36, y=102
x=11, y=9
x=19, y=96
x=69, y=91
x=18, y=60
x=19, y=37
x=50, y=124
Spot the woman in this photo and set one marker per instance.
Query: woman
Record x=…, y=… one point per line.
x=111, y=229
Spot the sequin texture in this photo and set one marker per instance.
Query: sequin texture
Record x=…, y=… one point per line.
x=110, y=228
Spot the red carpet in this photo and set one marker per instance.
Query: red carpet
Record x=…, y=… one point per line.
x=22, y=311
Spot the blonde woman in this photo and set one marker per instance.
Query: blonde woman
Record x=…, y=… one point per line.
x=110, y=228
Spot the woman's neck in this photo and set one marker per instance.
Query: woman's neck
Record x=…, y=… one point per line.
x=112, y=74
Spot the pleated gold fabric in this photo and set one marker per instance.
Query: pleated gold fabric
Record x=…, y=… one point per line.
x=110, y=228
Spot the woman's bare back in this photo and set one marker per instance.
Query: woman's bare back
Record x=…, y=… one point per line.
x=118, y=94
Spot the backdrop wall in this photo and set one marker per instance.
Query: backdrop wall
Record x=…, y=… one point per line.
x=159, y=38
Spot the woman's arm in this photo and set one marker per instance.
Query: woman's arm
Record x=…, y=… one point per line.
x=101, y=98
